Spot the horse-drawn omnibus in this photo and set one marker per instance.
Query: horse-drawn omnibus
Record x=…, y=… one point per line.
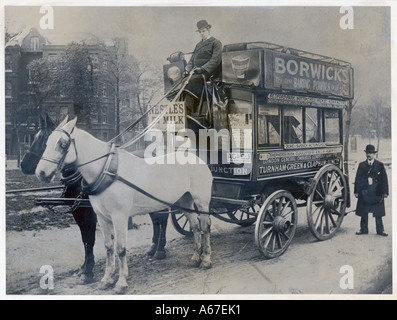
x=283, y=109
x=271, y=133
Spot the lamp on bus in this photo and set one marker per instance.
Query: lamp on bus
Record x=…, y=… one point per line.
x=174, y=74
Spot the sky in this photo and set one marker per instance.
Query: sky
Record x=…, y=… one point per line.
x=154, y=32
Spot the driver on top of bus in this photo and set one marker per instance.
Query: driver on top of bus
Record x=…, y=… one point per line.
x=206, y=60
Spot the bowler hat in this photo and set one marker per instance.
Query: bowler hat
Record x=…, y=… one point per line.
x=370, y=149
x=202, y=24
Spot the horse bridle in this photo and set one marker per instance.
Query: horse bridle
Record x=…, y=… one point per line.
x=65, y=149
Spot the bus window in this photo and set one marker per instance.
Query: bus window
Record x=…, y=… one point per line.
x=313, y=123
x=332, y=126
x=293, y=129
x=240, y=120
x=268, y=126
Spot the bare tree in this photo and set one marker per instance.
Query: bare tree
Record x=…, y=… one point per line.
x=120, y=68
x=346, y=143
x=378, y=120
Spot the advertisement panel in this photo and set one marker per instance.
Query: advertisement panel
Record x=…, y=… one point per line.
x=175, y=116
x=242, y=67
x=285, y=162
x=290, y=72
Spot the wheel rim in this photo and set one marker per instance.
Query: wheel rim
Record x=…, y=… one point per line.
x=276, y=224
x=327, y=202
x=181, y=223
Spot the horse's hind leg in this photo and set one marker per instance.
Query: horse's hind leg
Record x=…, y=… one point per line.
x=205, y=226
x=108, y=236
x=195, y=226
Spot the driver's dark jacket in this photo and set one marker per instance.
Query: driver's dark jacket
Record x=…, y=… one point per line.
x=207, y=55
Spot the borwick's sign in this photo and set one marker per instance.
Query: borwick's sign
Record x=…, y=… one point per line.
x=302, y=74
x=174, y=116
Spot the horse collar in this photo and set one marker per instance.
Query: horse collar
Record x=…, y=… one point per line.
x=107, y=176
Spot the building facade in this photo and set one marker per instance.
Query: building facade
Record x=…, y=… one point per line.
x=24, y=104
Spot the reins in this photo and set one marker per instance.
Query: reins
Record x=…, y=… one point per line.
x=112, y=151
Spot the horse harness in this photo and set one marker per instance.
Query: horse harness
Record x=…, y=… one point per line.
x=107, y=176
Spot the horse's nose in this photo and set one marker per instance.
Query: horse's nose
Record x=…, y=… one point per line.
x=40, y=174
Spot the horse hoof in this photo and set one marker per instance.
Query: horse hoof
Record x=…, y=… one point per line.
x=120, y=289
x=105, y=285
x=86, y=278
x=206, y=265
x=194, y=263
x=160, y=255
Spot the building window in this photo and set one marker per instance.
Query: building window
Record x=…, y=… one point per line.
x=34, y=43
x=104, y=91
x=8, y=62
x=8, y=89
x=104, y=115
x=105, y=136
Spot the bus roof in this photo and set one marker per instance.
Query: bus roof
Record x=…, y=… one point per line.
x=278, y=48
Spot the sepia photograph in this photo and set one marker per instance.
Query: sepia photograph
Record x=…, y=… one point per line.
x=198, y=151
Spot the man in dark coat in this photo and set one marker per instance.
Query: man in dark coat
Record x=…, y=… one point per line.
x=206, y=60
x=371, y=187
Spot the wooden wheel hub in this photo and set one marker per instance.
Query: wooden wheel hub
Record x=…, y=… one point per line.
x=281, y=224
x=329, y=201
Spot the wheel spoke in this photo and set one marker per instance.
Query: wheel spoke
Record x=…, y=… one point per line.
x=318, y=220
x=184, y=225
x=279, y=241
x=286, y=206
x=288, y=214
x=325, y=186
x=331, y=181
x=268, y=240
x=266, y=232
x=335, y=184
x=326, y=215
x=333, y=220
x=285, y=235
x=280, y=206
x=274, y=207
x=318, y=202
x=274, y=241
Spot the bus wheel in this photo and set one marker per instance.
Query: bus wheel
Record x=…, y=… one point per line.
x=326, y=204
x=276, y=224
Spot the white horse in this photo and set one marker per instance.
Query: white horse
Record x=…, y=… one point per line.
x=187, y=186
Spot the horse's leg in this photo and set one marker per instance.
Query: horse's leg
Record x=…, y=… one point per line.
x=154, y=216
x=108, y=236
x=78, y=217
x=90, y=222
x=194, y=224
x=205, y=226
x=120, y=229
x=86, y=220
x=162, y=239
